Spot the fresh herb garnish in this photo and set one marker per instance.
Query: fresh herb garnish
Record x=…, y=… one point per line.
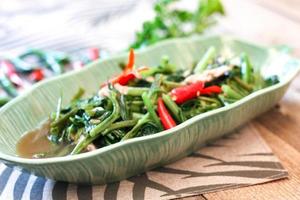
x=170, y=23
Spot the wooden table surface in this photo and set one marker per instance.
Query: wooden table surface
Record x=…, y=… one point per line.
x=270, y=22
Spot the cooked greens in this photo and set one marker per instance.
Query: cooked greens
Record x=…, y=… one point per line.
x=147, y=100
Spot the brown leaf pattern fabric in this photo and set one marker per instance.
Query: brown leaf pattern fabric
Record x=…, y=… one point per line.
x=238, y=160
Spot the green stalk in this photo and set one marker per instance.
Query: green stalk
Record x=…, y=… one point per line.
x=124, y=110
x=164, y=68
x=246, y=86
x=155, y=89
x=236, y=87
x=172, y=106
x=133, y=132
x=83, y=141
x=78, y=94
x=137, y=103
x=94, y=133
x=119, y=125
x=136, y=115
x=203, y=63
x=210, y=107
x=151, y=110
x=209, y=99
x=136, y=91
x=58, y=108
x=59, y=124
x=226, y=100
x=171, y=85
x=247, y=69
x=135, y=108
x=109, y=120
x=61, y=121
x=86, y=140
x=230, y=93
x=259, y=81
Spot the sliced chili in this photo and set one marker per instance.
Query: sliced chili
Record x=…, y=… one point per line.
x=164, y=115
x=130, y=63
x=128, y=73
x=187, y=92
x=214, y=89
x=37, y=75
x=125, y=78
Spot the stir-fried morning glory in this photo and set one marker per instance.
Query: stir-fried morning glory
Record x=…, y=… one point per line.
x=147, y=100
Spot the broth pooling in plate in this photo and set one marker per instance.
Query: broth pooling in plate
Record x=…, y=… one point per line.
x=35, y=144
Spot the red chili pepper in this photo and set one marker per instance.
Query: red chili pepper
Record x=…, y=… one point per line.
x=122, y=79
x=94, y=54
x=211, y=89
x=125, y=78
x=37, y=75
x=9, y=70
x=185, y=93
x=164, y=115
x=130, y=63
x=128, y=73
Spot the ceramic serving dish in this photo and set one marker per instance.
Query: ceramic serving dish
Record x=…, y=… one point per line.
x=128, y=158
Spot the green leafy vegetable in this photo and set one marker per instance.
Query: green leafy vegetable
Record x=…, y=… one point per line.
x=157, y=99
x=170, y=23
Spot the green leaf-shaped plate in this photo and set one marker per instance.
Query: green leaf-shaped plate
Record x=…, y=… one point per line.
x=125, y=159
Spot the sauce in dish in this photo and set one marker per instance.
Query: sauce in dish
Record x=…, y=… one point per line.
x=36, y=144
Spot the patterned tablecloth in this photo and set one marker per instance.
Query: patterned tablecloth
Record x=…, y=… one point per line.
x=238, y=160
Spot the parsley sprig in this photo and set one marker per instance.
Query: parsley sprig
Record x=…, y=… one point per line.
x=170, y=23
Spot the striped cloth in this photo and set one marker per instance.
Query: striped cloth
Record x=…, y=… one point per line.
x=18, y=185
